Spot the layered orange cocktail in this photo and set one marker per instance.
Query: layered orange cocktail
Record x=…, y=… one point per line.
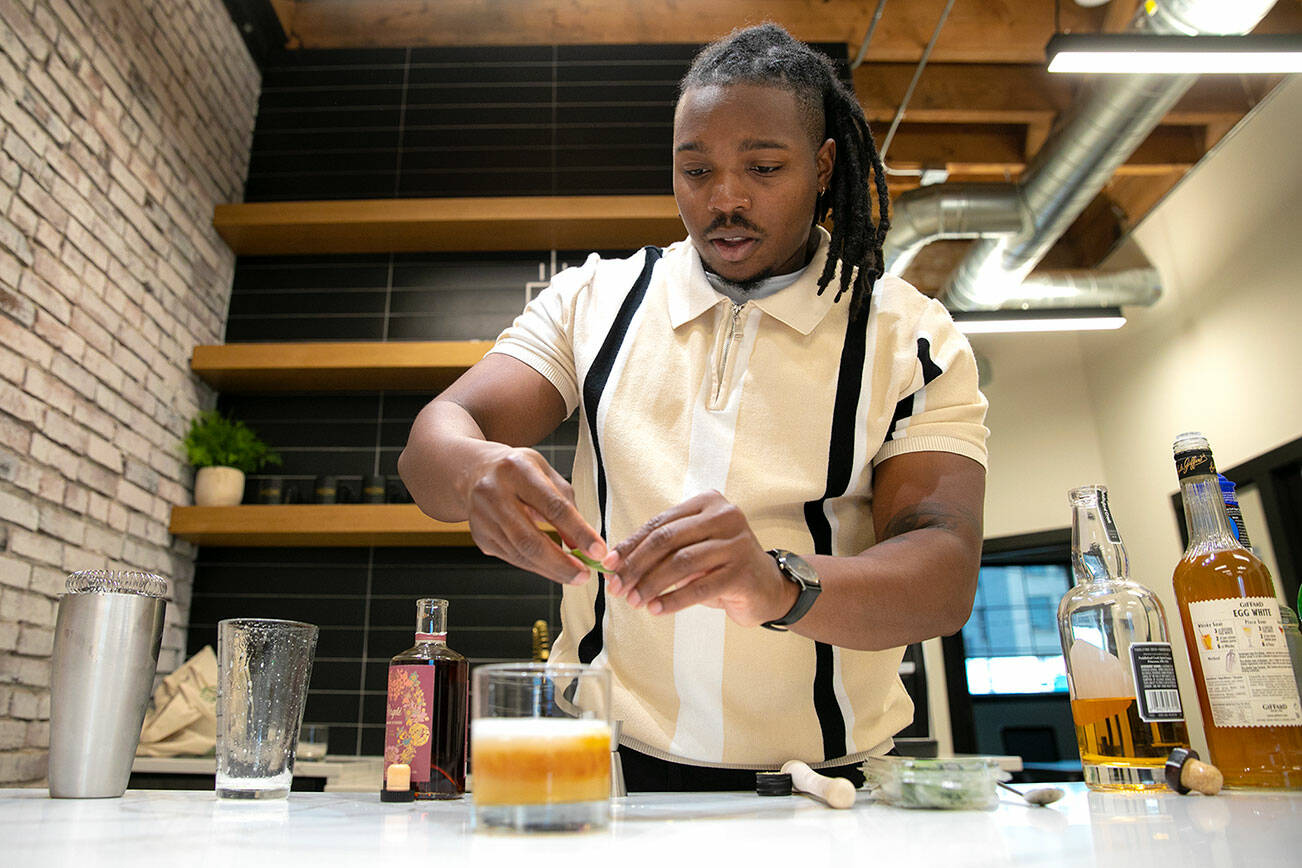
x=539, y=760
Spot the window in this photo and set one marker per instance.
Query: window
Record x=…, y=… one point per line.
x=1012, y=637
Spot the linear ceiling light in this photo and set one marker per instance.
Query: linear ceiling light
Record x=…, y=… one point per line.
x=1162, y=53
x=981, y=322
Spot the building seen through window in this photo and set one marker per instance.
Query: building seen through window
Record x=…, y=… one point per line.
x=1011, y=639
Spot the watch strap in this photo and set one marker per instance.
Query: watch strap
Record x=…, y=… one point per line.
x=808, y=593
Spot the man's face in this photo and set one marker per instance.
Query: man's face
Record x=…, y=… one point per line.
x=746, y=178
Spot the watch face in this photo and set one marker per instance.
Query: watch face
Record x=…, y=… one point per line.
x=800, y=569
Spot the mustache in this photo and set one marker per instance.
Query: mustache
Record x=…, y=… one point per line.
x=734, y=221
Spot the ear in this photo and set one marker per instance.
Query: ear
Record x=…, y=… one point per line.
x=825, y=159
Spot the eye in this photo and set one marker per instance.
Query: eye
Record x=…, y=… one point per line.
x=694, y=171
x=764, y=169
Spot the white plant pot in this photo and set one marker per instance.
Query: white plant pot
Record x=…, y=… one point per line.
x=218, y=486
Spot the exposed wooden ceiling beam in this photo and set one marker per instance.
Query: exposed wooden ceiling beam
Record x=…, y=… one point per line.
x=998, y=149
x=1005, y=31
x=1119, y=14
x=977, y=31
x=978, y=93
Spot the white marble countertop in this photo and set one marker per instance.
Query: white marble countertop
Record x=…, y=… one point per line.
x=342, y=773
x=730, y=830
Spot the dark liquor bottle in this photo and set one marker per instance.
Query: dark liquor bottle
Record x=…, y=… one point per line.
x=425, y=720
x=1250, y=704
x=1125, y=701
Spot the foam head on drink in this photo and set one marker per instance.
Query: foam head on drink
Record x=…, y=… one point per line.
x=540, y=760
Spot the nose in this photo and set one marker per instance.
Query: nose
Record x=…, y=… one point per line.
x=729, y=195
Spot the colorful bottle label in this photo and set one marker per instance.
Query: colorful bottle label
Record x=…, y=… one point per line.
x=1156, y=690
x=407, y=733
x=1246, y=668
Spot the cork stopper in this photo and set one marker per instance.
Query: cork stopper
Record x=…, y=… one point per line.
x=397, y=784
x=1185, y=772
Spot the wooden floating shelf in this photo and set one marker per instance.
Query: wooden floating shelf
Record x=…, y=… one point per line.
x=424, y=366
x=298, y=525
x=469, y=224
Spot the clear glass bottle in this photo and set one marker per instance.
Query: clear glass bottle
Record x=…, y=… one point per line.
x=1125, y=701
x=1251, y=710
x=425, y=719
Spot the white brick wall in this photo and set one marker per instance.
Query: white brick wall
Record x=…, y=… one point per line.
x=121, y=126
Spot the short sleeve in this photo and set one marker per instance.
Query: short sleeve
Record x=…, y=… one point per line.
x=542, y=336
x=941, y=408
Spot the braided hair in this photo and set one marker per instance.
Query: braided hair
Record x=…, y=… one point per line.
x=769, y=55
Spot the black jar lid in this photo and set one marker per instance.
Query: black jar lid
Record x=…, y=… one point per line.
x=772, y=783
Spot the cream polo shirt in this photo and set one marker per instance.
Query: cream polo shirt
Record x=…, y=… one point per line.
x=681, y=391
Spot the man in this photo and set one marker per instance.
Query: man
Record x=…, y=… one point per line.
x=786, y=488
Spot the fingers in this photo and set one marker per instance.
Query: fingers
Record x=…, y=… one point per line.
x=700, y=552
x=512, y=534
x=698, y=536
x=511, y=495
x=662, y=552
x=557, y=508
x=620, y=554
x=701, y=590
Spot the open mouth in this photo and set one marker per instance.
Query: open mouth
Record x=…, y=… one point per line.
x=733, y=248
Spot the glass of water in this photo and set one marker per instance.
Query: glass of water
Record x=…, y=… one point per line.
x=263, y=670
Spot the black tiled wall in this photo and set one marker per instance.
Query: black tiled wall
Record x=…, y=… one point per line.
x=510, y=121
x=429, y=123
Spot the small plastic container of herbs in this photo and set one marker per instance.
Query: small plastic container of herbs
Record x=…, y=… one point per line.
x=961, y=783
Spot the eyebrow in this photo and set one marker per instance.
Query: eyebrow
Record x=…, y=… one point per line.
x=746, y=145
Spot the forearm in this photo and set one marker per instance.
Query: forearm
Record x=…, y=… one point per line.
x=445, y=445
x=906, y=589
x=919, y=580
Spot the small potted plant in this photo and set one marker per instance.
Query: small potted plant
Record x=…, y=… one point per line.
x=223, y=450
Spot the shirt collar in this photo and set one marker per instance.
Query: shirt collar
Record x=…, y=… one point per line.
x=799, y=306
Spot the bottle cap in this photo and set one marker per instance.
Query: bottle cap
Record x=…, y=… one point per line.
x=772, y=784
x=397, y=784
x=1184, y=772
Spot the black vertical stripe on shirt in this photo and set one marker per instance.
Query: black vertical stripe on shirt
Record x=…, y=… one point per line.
x=930, y=371
x=594, y=384
x=840, y=463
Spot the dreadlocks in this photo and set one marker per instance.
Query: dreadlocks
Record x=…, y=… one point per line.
x=768, y=55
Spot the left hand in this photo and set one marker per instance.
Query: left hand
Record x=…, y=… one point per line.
x=700, y=552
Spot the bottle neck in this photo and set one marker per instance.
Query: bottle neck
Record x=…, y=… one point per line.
x=1204, y=513
x=432, y=620
x=1097, y=553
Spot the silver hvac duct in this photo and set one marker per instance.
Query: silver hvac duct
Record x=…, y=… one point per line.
x=1097, y=134
x=947, y=211
x=1059, y=289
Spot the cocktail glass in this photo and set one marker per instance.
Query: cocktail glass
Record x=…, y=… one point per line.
x=540, y=747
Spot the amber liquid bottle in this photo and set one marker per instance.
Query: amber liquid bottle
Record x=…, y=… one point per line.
x=1125, y=701
x=425, y=718
x=1250, y=704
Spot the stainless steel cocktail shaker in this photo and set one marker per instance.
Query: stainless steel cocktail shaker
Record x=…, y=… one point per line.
x=106, y=641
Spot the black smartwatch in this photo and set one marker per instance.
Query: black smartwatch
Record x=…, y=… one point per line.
x=795, y=569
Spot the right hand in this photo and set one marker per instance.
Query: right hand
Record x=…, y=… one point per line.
x=507, y=493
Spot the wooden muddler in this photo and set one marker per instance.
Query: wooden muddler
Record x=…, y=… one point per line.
x=834, y=792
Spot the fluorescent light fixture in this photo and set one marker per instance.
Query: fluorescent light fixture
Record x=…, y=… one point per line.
x=1162, y=53
x=983, y=322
